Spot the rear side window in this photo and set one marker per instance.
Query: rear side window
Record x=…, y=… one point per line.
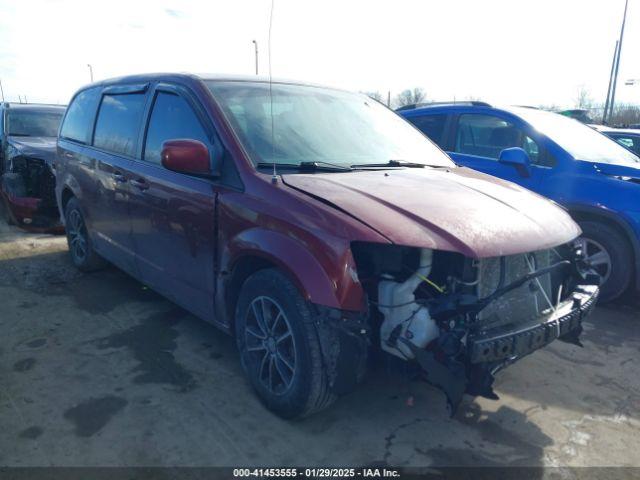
x=171, y=118
x=118, y=123
x=78, y=122
x=431, y=125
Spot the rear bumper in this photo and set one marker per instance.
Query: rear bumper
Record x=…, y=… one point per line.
x=502, y=344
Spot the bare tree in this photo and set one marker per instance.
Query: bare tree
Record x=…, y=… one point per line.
x=550, y=107
x=410, y=97
x=624, y=115
x=583, y=98
x=375, y=95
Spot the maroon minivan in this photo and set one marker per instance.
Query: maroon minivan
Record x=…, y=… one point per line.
x=315, y=224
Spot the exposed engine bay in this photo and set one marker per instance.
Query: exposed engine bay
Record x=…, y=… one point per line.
x=462, y=319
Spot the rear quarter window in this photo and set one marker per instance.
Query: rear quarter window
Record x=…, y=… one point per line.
x=78, y=122
x=118, y=123
x=431, y=125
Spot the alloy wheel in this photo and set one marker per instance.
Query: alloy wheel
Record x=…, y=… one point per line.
x=269, y=339
x=597, y=257
x=77, y=235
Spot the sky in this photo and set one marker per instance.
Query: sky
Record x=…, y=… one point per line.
x=525, y=52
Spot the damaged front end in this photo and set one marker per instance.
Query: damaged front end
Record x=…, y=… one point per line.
x=28, y=193
x=462, y=319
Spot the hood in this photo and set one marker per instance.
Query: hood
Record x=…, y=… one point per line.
x=618, y=169
x=458, y=209
x=37, y=147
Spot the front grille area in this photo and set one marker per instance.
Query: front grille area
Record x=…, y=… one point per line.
x=501, y=344
x=522, y=304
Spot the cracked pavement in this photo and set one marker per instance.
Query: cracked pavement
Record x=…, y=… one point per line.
x=98, y=370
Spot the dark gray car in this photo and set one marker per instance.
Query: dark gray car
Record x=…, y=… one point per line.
x=28, y=135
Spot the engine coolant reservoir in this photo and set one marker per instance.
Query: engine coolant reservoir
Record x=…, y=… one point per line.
x=396, y=303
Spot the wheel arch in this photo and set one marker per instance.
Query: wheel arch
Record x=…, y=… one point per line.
x=242, y=269
x=583, y=213
x=65, y=196
x=258, y=248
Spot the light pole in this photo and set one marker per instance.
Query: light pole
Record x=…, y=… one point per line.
x=90, y=71
x=255, y=44
x=615, y=75
x=613, y=69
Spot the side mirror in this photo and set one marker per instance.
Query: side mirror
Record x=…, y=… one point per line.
x=186, y=156
x=518, y=159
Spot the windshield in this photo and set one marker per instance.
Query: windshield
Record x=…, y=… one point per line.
x=312, y=124
x=581, y=141
x=33, y=123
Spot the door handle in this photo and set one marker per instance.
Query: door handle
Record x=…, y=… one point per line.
x=140, y=184
x=119, y=177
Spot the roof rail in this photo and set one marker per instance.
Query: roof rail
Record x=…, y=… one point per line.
x=473, y=103
x=33, y=104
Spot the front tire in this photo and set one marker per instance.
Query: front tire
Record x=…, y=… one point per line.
x=279, y=346
x=610, y=255
x=83, y=256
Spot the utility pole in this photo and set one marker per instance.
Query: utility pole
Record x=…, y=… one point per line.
x=613, y=67
x=389, y=98
x=255, y=45
x=90, y=71
x=615, y=77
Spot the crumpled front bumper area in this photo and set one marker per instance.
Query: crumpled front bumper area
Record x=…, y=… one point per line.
x=565, y=324
x=461, y=366
x=28, y=212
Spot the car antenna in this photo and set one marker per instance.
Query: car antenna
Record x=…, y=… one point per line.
x=274, y=178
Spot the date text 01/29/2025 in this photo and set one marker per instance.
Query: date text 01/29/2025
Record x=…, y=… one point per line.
x=316, y=472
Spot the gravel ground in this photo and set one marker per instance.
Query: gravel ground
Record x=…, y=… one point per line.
x=97, y=370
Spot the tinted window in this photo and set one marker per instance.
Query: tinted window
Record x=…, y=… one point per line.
x=119, y=122
x=486, y=136
x=431, y=125
x=171, y=118
x=33, y=123
x=79, y=120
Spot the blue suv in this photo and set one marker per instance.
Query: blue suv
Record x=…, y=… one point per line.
x=593, y=177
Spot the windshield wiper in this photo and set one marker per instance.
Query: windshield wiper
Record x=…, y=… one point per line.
x=313, y=166
x=392, y=164
x=321, y=165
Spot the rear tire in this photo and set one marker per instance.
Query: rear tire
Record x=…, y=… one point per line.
x=279, y=346
x=83, y=256
x=606, y=245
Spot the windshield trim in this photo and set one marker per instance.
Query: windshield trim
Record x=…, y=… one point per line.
x=527, y=115
x=254, y=159
x=35, y=113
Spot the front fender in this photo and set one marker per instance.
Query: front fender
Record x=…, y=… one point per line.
x=324, y=276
